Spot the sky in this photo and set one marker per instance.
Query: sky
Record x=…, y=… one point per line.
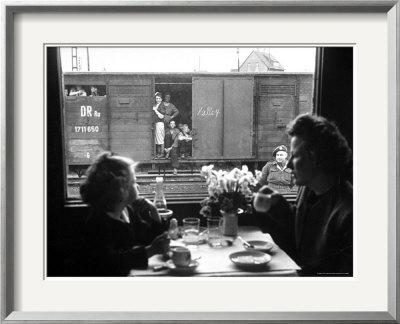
x=182, y=59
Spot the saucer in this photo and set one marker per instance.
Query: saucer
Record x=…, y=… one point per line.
x=182, y=270
x=263, y=246
x=250, y=259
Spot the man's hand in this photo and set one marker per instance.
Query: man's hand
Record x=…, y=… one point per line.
x=266, y=198
x=146, y=210
x=160, y=245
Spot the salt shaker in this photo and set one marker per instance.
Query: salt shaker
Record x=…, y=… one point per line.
x=173, y=229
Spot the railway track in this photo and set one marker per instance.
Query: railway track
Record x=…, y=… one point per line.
x=183, y=187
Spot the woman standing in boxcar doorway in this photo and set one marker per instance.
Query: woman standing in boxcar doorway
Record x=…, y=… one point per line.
x=160, y=130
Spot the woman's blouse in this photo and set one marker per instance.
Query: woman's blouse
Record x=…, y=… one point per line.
x=113, y=247
x=159, y=109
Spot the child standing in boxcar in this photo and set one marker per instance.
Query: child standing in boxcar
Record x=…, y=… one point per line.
x=160, y=130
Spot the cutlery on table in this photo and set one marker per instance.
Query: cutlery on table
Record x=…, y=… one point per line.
x=251, y=246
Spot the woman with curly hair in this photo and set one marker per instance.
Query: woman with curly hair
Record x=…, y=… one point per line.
x=123, y=230
x=318, y=231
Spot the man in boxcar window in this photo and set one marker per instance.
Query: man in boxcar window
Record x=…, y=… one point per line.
x=93, y=91
x=169, y=109
x=78, y=91
x=318, y=231
x=72, y=91
x=276, y=174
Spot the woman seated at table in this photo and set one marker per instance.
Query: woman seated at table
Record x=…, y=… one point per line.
x=318, y=232
x=123, y=230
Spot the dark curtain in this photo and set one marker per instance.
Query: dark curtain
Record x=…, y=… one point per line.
x=333, y=97
x=333, y=94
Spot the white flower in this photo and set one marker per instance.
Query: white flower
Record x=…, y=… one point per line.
x=222, y=183
x=235, y=173
x=231, y=183
x=213, y=186
x=236, y=180
x=206, y=172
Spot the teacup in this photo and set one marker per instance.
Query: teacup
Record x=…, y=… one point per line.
x=262, y=202
x=181, y=256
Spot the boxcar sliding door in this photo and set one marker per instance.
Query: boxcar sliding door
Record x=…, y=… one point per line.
x=207, y=117
x=131, y=103
x=238, y=117
x=277, y=106
x=222, y=117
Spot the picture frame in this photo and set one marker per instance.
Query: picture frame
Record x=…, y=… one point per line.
x=8, y=295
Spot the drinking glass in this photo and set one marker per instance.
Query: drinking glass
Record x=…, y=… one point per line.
x=191, y=228
x=262, y=202
x=214, y=226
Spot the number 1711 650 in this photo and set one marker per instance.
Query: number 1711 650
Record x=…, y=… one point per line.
x=86, y=129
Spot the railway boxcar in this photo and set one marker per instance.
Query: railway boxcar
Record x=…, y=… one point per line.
x=232, y=116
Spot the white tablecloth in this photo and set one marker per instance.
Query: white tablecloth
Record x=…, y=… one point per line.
x=216, y=261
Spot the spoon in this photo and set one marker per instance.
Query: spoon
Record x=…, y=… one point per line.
x=251, y=246
x=164, y=266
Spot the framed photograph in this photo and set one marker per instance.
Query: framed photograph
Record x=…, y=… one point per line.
x=44, y=151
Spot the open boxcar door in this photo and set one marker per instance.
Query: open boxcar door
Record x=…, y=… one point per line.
x=222, y=117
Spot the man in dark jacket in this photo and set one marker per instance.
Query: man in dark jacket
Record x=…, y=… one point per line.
x=169, y=110
x=318, y=231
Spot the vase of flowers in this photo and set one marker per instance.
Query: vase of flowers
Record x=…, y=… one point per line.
x=230, y=222
x=229, y=193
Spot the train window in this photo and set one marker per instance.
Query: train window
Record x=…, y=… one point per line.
x=84, y=90
x=208, y=112
x=226, y=119
x=75, y=91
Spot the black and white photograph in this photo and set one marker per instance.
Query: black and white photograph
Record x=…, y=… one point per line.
x=199, y=161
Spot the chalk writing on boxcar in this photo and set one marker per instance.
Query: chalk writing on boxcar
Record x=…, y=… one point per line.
x=208, y=111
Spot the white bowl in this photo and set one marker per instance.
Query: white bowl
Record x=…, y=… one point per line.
x=263, y=246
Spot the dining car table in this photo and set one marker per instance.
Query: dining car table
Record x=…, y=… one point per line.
x=217, y=262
